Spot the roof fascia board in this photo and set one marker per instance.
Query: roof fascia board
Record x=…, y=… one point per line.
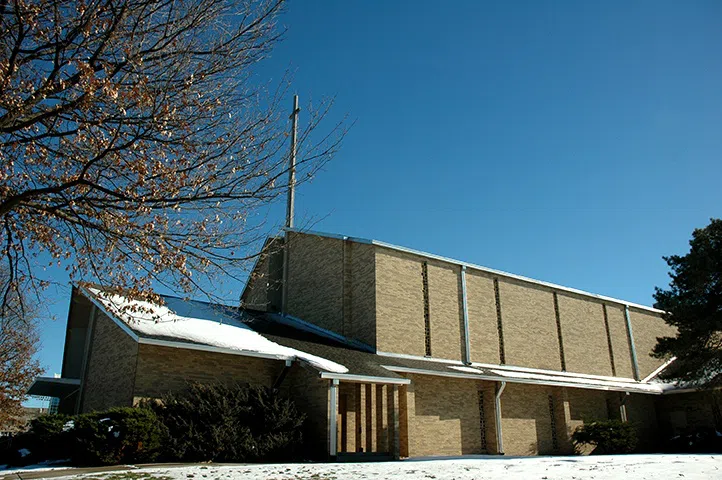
x=498, y=378
x=208, y=348
x=171, y=344
x=672, y=391
x=481, y=268
x=510, y=368
x=123, y=326
x=419, y=357
x=346, y=377
x=65, y=381
x=658, y=370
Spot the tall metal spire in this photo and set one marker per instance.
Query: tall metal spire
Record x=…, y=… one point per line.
x=290, y=206
x=292, y=167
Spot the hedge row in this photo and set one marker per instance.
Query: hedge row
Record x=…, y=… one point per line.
x=205, y=423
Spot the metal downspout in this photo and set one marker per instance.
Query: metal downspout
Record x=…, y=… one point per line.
x=623, y=406
x=465, y=310
x=497, y=411
x=332, y=421
x=632, y=348
x=282, y=375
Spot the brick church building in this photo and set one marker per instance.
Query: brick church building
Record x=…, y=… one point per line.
x=391, y=353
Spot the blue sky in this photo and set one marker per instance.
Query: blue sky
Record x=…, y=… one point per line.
x=572, y=142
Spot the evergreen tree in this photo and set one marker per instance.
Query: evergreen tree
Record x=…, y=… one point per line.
x=693, y=303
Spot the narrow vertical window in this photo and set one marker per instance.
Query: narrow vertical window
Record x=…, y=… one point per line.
x=559, y=332
x=427, y=317
x=609, y=340
x=555, y=442
x=482, y=421
x=497, y=298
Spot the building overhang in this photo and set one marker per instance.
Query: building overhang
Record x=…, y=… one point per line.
x=345, y=377
x=533, y=379
x=54, y=387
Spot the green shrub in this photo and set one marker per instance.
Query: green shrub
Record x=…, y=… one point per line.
x=608, y=436
x=47, y=438
x=229, y=424
x=120, y=435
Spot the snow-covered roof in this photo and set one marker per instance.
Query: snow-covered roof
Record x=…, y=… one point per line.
x=198, y=323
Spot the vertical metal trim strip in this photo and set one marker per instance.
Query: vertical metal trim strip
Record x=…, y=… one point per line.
x=465, y=307
x=560, y=338
x=332, y=421
x=632, y=348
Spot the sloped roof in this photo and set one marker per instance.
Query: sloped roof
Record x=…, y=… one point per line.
x=200, y=325
x=197, y=323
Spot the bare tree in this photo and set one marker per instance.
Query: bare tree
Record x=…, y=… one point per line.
x=135, y=139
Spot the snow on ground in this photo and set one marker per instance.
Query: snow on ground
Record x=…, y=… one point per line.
x=39, y=467
x=629, y=467
x=203, y=323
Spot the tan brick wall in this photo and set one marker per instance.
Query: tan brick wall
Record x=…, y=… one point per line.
x=310, y=394
x=529, y=324
x=255, y=296
x=332, y=285
x=361, y=296
x=526, y=420
x=443, y=416
x=263, y=291
x=483, y=331
x=584, y=335
x=315, y=283
x=164, y=369
x=620, y=341
x=446, y=314
x=399, y=303
x=586, y=406
x=111, y=367
x=646, y=327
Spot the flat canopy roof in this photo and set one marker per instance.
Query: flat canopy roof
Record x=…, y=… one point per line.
x=54, y=387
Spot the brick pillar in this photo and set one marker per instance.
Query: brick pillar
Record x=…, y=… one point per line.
x=360, y=417
x=404, y=421
x=562, y=419
x=392, y=400
x=381, y=420
x=343, y=422
x=489, y=392
x=370, y=420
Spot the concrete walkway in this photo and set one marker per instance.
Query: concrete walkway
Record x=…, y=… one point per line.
x=66, y=472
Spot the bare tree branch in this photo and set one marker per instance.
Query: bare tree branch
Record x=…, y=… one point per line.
x=135, y=140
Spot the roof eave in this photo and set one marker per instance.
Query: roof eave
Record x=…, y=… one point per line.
x=648, y=389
